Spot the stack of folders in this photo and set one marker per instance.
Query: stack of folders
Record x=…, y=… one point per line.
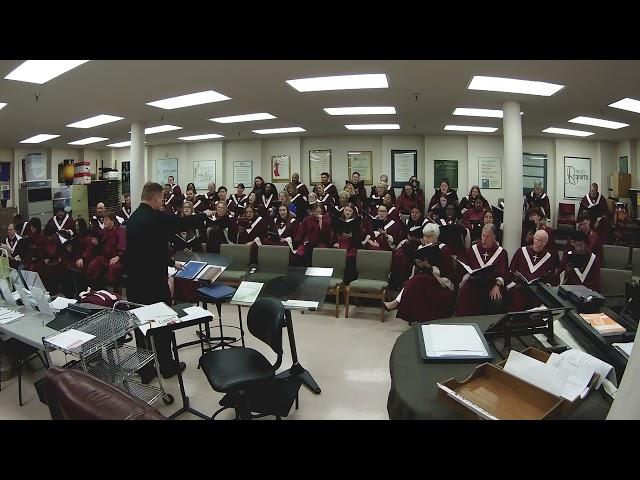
x=567, y=375
x=453, y=341
x=604, y=324
x=8, y=316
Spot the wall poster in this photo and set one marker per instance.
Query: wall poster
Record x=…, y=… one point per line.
x=166, y=167
x=319, y=161
x=445, y=169
x=126, y=176
x=404, y=165
x=577, y=177
x=243, y=173
x=280, y=168
x=204, y=171
x=361, y=162
x=490, y=172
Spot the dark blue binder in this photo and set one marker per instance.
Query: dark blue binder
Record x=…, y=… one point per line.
x=217, y=291
x=191, y=269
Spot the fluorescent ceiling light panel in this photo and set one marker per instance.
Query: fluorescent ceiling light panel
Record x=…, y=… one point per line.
x=42, y=137
x=361, y=111
x=2, y=105
x=565, y=131
x=95, y=121
x=41, y=71
x=121, y=144
x=628, y=104
x=87, y=141
x=598, y=122
x=279, y=130
x=160, y=129
x=478, y=112
x=189, y=100
x=201, y=137
x=470, y=128
x=249, y=117
x=373, y=126
x=340, y=82
x=513, y=85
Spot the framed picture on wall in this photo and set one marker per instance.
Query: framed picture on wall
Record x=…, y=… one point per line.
x=166, y=167
x=280, y=168
x=404, y=165
x=319, y=161
x=490, y=173
x=243, y=173
x=623, y=164
x=204, y=171
x=361, y=162
x=577, y=177
x=445, y=169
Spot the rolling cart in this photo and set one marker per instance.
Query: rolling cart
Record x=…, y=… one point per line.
x=106, y=358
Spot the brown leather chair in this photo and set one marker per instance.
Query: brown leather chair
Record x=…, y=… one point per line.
x=76, y=395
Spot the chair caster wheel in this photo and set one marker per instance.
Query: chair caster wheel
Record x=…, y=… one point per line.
x=168, y=399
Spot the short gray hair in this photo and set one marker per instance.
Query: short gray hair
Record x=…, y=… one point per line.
x=431, y=229
x=492, y=228
x=537, y=183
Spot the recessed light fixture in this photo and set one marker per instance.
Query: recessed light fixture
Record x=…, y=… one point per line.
x=374, y=126
x=249, y=117
x=598, y=122
x=121, y=144
x=41, y=137
x=95, y=121
x=86, y=141
x=361, y=111
x=201, y=137
x=479, y=112
x=160, y=129
x=513, y=85
x=565, y=131
x=41, y=71
x=628, y=104
x=199, y=98
x=279, y=130
x=2, y=105
x=470, y=128
x=340, y=82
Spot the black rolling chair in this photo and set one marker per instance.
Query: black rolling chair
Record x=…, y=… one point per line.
x=246, y=376
x=21, y=353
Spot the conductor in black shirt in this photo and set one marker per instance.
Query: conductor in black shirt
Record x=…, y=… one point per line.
x=147, y=258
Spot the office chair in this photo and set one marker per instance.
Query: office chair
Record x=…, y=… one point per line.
x=246, y=376
x=21, y=353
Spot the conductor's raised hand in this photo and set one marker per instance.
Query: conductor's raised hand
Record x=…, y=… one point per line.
x=209, y=213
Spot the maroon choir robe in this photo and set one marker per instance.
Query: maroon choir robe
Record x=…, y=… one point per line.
x=235, y=202
x=393, y=213
x=265, y=204
x=212, y=198
x=66, y=223
x=452, y=198
x=390, y=191
x=597, y=208
x=222, y=233
x=301, y=202
x=10, y=245
x=200, y=204
x=531, y=265
x=255, y=231
x=424, y=298
x=52, y=269
x=331, y=190
x=108, y=248
x=473, y=220
x=176, y=198
x=286, y=231
x=310, y=234
x=97, y=226
x=393, y=228
x=473, y=295
x=594, y=244
x=589, y=275
x=81, y=248
x=402, y=261
x=454, y=235
x=34, y=255
x=541, y=201
x=405, y=203
x=327, y=201
x=350, y=244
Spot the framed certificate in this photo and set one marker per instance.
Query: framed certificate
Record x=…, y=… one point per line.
x=404, y=165
x=577, y=177
x=243, y=173
x=361, y=162
x=280, y=168
x=319, y=161
x=490, y=172
x=204, y=171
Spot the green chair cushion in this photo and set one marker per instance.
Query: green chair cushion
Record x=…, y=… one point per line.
x=367, y=286
x=334, y=282
x=232, y=275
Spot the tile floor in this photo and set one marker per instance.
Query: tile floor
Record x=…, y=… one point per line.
x=348, y=357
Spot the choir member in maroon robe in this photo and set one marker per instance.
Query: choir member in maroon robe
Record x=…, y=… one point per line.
x=211, y=195
x=444, y=191
x=346, y=234
x=299, y=186
x=485, y=294
x=265, y=204
x=97, y=221
x=329, y=188
x=428, y=294
x=51, y=267
x=403, y=256
x=62, y=221
x=376, y=199
x=167, y=198
x=416, y=219
x=258, y=186
x=220, y=229
x=32, y=251
x=473, y=219
x=407, y=200
x=10, y=243
x=175, y=194
x=252, y=230
x=336, y=210
x=468, y=201
x=194, y=237
x=283, y=230
x=358, y=185
x=108, y=259
x=533, y=262
x=538, y=198
x=383, y=234
x=579, y=266
x=298, y=199
x=595, y=203
x=82, y=249
x=125, y=210
x=384, y=179
x=535, y=214
x=252, y=201
x=325, y=198
x=238, y=200
x=353, y=198
x=594, y=242
x=393, y=212
x=314, y=231
x=453, y=233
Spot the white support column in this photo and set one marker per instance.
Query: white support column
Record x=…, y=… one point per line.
x=137, y=178
x=512, y=177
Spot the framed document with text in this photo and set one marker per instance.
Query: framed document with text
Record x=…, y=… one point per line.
x=445, y=169
x=243, y=173
x=490, y=172
x=280, y=168
x=319, y=161
x=404, y=165
x=361, y=162
x=577, y=177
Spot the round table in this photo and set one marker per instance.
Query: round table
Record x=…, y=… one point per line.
x=413, y=383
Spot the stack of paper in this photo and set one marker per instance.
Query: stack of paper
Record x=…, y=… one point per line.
x=8, y=316
x=60, y=303
x=453, y=341
x=299, y=304
x=70, y=339
x=318, y=272
x=247, y=293
x=193, y=313
x=159, y=313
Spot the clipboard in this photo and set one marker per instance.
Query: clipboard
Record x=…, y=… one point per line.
x=455, y=359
